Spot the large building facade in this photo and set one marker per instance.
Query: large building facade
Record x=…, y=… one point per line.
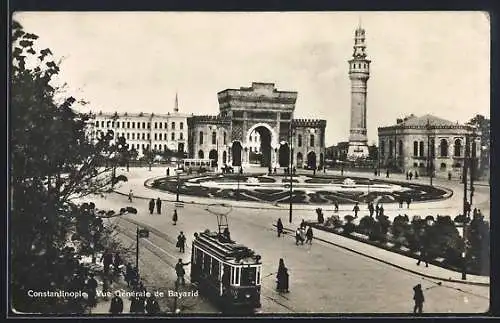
x=143, y=132
x=260, y=111
x=427, y=143
x=359, y=73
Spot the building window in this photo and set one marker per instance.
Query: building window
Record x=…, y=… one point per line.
x=159, y=136
x=173, y=136
x=181, y=125
x=149, y=125
x=128, y=135
x=201, y=137
x=299, y=141
x=138, y=125
x=421, y=149
x=144, y=125
x=214, y=138
x=160, y=124
x=250, y=139
x=382, y=148
x=443, y=148
x=156, y=136
x=200, y=154
x=181, y=137
x=165, y=147
x=415, y=148
x=143, y=136
x=118, y=124
x=225, y=142
x=443, y=166
x=155, y=147
x=133, y=136
x=149, y=136
x=166, y=125
x=391, y=145
x=128, y=125
x=97, y=124
x=156, y=125
x=457, y=147
x=311, y=141
x=112, y=124
x=133, y=125
x=173, y=125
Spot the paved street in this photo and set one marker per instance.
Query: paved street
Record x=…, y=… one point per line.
x=323, y=278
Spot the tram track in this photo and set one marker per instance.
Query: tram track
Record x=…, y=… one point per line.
x=162, y=254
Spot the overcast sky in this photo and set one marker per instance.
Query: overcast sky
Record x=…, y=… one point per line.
x=422, y=62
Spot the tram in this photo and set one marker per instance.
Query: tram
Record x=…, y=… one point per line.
x=225, y=271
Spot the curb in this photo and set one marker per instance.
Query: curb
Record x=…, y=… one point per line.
x=394, y=265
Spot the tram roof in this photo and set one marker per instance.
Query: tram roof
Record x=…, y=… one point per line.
x=231, y=252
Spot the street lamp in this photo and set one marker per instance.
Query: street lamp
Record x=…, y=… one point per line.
x=177, y=193
x=430, y=168
x=465, y=206
x=290, y=171
x=472, y=163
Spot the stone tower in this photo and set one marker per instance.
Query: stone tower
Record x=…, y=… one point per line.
x=359, y=72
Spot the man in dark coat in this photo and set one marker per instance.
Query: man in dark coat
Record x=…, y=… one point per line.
x=282, y=277
x=408, y=201
x=174, y=217
x=356, y=210
x=91, y=290
x=387, y=174
x=309, y=235
x=116, y=306
x=279, y=227
x=151, y=206
x=179, y=270
x=158, y=205
x=418, y=297
x=181, y=241
x=371, y=209
x=136, y=304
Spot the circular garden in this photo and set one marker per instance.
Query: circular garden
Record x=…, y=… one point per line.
x=305, y=189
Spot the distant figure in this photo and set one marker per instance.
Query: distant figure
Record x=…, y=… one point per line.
x=309, y=235
x=314, y=171
x=298, y=237
x=356, y=210
x=282, y=277
x=269, y=170
x=168, y=171
x=303, y=224
x=387, y=174
x=418, y=297
x=407, y=175
x=375, y=172
x=117, y=262
x=336, y=204
x=226, y=235
x=423, y=255
x=294, y=170
x=158, y=205
x=179, y=270
x=107, y=259
x=342, y=171
x=449, y=176
x=381, y=210
x=91, y=290
x=416, y=175
x=181, y=242
x=279, y=227
x=241, y=170
x=274, y=170
x=400, y=200
x=130, y=196
x=408, y=201
x=411, y=175
x=174, y=217
x=129, y=272
x=377, y=210
x=116, y=306
x=151, y=206
x=371, y=209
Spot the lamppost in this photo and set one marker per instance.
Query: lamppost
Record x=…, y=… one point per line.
x=430, y=168
x=465, y=206
x=177, y=193
x=290, y=170
x=472, y=163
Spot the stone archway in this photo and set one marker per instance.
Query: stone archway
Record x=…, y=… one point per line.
x=300, y=160
x=214, y=156
x=236, y=152
x=265, y=136
x=284, y=155
x=311, y=160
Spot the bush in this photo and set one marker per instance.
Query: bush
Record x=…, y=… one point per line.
x=366, y=225
x=349, y=228
x=334, y=221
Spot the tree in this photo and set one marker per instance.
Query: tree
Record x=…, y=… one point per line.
x=483, y=124
x=53, y=162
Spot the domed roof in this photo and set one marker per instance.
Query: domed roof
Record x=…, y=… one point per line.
x=424, y=120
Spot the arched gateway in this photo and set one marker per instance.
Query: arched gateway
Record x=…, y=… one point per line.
x=255, y=126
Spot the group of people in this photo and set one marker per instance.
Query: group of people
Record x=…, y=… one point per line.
x=378, y=209
x=304, y=233
x=152, y=206
x=401, y=200
x=139, y=302
x=409, y=175
x=111, y=259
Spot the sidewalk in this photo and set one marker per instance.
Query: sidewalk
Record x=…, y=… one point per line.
x=394, y=259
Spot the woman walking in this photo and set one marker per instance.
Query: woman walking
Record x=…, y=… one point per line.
x=282, y=277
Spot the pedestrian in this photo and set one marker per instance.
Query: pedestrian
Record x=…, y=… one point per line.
x=226, y=235
x=377, y=210
x=387, y=173
x=174, y=217
x=416, y=175
x=294, y=170
x=151, y=206
x=274, y=170
x=241, y=170
x=117, y=262
x=303, y=224
x=375, y=172
x=371, y=209
x=298, y=236
x=381, y=210
x=137, y=303
x=408, y=201
x=336, y=204
x=302, y=235
x=168, y=171
x=152, y=306
x=181, y=242
x=279, y=227
x=128, y=273
x=130, y=196
x=116, y=306
x=309, y=235
x=158, y=205
x=282, y=277
x=342, y=171
x=107, y=259
x=179, y=270
x=449, y=176
x=269, y=170
x=407, y=175
x=423, y=255
x=400, y=200
x=91, y=290
x=314, y=171
x=418, y=297
x=356, y=209
x=411, y=175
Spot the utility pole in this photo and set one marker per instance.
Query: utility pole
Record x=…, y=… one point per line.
x=177, y=193
x=465, y=208
x=429, y=152
x=472, y=163
x=291, y=172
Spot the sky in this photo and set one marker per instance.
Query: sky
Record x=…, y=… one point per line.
x=422, y=62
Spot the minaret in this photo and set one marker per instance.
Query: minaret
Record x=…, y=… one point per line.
x=359, y=72
x=176, y=107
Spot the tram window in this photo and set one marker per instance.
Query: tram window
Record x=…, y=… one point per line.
x=206, y=263
x=226, y=276
x=248, y=276
x=215, y=268
x=237, y=278
x=258, y=275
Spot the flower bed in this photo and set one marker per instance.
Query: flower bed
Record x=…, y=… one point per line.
x=441, y=240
